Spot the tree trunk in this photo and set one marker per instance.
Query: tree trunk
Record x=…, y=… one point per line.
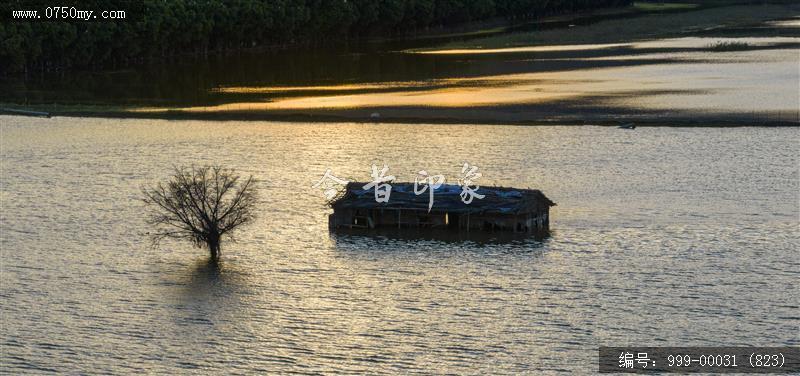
x=213, y=247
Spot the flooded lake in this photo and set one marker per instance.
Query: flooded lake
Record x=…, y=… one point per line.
x=661, y=236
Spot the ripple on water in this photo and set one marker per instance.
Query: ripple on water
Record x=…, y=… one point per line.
x=678, y=237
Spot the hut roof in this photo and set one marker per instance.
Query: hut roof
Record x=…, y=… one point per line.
x=446, y=198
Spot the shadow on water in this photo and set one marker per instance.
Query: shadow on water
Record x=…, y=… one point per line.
x=208, y=288
x=206, y=276
x=206, y=273
x=202, y=295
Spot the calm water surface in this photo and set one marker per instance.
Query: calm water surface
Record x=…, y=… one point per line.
x=662, y=236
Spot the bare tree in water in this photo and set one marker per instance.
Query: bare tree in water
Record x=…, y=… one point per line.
x=202, y=205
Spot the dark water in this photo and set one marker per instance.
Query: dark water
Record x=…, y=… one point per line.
x=661, y=236
x=187, y=80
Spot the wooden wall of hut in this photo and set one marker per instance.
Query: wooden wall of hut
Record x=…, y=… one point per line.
x=420, y=218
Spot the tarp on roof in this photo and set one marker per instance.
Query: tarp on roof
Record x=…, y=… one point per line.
x=446, y=198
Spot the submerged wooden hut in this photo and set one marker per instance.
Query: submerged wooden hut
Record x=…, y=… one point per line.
x=500, y=209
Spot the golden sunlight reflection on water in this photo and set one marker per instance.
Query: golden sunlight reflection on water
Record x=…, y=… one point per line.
x=660, y=236
x=761, y=80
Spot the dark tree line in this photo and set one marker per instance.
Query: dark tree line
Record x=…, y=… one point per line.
x=158, y=28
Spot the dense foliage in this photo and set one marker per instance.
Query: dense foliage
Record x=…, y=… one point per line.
x=155, y=28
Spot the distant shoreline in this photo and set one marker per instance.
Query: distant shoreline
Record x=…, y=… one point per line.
x=606, y=73
x=357, y=116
